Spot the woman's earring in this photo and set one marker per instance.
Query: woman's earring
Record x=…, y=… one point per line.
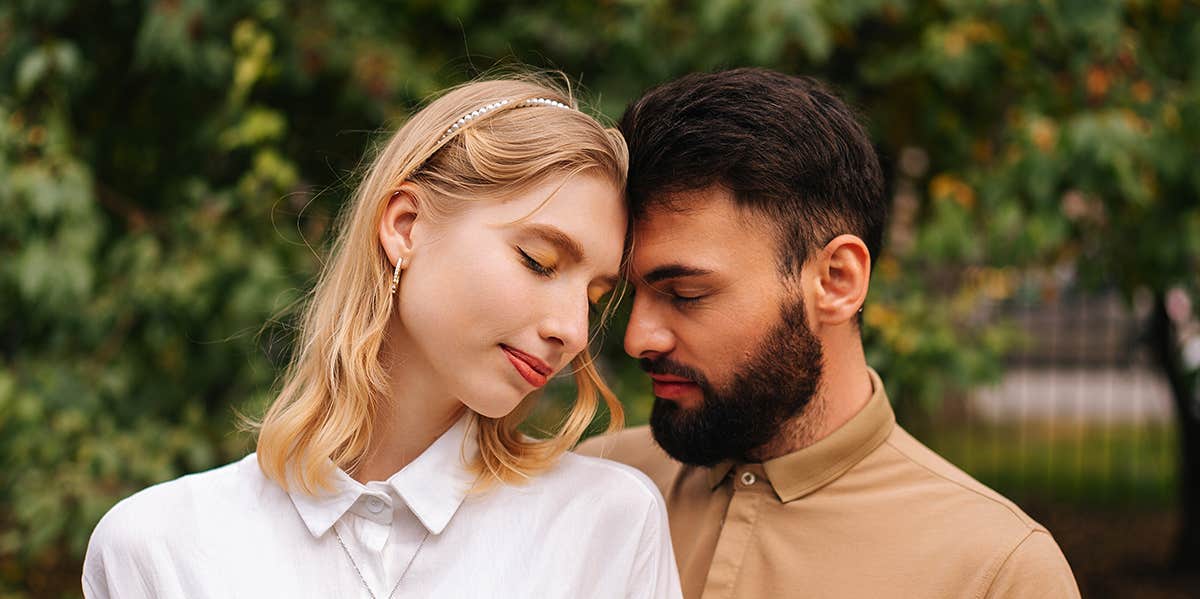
x=396, y=275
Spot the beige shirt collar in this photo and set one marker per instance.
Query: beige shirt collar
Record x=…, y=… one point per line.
x=799, y=473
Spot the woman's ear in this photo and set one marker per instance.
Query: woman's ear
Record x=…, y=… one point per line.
x=396, y=224
x=842, y=279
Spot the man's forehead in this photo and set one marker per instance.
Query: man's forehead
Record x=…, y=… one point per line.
x=703, y=229
x=707, y=205
x=688, y=201
x=696, y=216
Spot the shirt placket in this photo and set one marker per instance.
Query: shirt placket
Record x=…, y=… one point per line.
x=750, y=490
x=369, y=523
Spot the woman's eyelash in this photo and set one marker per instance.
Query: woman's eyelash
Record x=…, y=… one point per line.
x=534, y=265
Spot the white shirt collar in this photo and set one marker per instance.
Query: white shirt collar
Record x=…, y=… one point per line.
x=433, y=486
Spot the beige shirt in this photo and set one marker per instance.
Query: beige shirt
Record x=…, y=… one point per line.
x=866, y=512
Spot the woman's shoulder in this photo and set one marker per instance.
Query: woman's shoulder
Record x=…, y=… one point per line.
x=174, y=506
x=604, y=480
x=616, y=507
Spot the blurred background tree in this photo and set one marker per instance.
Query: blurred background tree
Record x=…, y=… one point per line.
x=169, y=171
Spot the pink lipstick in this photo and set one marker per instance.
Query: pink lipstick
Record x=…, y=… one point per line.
x=531, y=368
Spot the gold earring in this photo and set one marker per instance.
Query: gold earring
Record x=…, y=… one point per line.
x=396, y=275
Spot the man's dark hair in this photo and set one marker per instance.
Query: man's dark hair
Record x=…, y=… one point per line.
x=785, y=146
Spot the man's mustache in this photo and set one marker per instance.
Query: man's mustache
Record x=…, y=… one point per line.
x=670, y=367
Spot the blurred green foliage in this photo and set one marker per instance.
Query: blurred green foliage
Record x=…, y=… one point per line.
x=169, y=171
x=1119, y=465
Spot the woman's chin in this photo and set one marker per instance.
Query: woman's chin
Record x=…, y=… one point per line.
x=495, y=408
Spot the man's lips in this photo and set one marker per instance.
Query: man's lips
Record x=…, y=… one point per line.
x=535, y=371
x=668, y=378
x=673, y=387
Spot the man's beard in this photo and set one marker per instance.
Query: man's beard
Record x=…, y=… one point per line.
x=770, y=389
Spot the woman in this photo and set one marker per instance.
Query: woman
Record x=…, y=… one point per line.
x=390, y=464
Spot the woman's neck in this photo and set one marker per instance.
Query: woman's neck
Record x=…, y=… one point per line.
x=415, y=413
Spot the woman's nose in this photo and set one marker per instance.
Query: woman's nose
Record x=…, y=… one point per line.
x=567, y=325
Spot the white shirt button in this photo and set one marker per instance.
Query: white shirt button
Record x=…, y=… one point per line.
x=748, y=478
x=375, y=505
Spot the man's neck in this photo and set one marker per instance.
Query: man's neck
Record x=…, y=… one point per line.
x=843, y=392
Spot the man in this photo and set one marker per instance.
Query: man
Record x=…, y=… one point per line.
x=760, y=207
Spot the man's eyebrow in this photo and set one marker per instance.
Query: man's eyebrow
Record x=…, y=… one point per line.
x=673, y=271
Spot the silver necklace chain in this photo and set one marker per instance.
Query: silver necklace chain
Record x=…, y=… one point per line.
x=364, y=579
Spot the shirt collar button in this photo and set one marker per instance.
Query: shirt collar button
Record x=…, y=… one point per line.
x=375, y=505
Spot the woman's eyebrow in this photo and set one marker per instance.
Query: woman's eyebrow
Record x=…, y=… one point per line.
x=554, y=236
x=567, y=245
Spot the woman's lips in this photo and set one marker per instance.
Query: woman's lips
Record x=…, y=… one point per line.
x=532, y=369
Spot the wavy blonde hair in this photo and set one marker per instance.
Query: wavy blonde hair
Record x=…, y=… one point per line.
x=333, y=390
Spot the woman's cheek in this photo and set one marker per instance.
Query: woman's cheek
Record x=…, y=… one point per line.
x=511, y=296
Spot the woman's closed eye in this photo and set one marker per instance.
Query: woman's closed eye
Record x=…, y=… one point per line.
x=537, y=267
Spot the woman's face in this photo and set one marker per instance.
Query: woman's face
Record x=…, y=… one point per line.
x=495, y=300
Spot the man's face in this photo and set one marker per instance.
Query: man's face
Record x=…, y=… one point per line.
x=721, y=331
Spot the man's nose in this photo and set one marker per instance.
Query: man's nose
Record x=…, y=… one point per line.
x=646, y=335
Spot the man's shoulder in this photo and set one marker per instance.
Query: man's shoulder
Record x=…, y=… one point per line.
x=938, y=477
x=634, y=447
x=952, y=513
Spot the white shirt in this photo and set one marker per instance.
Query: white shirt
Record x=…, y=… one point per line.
x=585, y=528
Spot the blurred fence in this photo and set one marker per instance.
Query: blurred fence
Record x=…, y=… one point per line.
x=1081, y=414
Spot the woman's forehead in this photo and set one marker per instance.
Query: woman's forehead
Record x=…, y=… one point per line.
x=582, y=212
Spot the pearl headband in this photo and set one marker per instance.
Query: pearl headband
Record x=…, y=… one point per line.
x=474, y=114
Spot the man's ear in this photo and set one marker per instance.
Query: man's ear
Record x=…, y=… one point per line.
x=396, y=224
x=842, y=277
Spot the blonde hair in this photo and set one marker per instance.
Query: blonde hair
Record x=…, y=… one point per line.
x=332, y=391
